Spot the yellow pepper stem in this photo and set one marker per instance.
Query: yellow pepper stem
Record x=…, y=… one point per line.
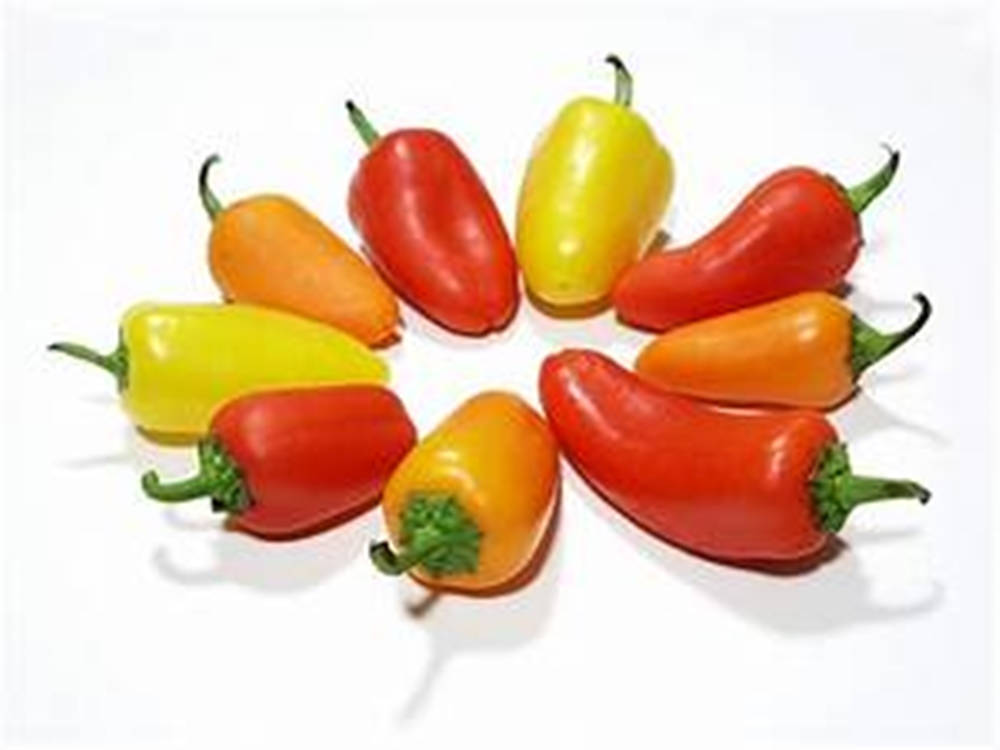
x=213, y=206
x=437, y=534
x=623, y=81
x=116, y=362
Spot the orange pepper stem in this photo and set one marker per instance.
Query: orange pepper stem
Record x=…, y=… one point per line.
x=437, y=534
x=213, y=206
x=865, y=192
x=361, y=123
x=869, y=345
x=623, y=81
x=836, y=491
x=218, y=477
x=116, y=362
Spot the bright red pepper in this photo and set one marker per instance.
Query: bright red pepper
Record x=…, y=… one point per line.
x=732, y=487
x=432, y=229
x=797, y=231
x=288, y=463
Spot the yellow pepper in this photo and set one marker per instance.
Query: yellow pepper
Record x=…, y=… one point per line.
x=593, y=196
x=176, y=364
x=469, y=506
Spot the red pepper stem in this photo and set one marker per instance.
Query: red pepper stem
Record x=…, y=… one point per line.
x=436, y=534
x=869, y=345
x=623, y=81
x=213, y=206
x=865, y=192
x=361, y=123
x=218, y=477
x=836, y=491
x=116, y=362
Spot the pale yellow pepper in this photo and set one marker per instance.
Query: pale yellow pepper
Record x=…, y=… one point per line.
x=593, y=196
x=176, y=364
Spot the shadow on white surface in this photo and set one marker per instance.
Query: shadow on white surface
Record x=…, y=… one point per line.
x=595, y=332
x=271, y=567
x=830, y=597
x=459, y=625
x=415, y=323
x=863, y=416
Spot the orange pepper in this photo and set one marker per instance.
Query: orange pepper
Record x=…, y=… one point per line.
x=806, y=350
x=469, y=506
x=270, y=251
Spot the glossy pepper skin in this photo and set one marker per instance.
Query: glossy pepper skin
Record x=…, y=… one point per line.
x=806, y=350
x=285, y=464
x=592, y=198
x=268, y=250
x=468, y=508
x=796, y=231
x=432, y=229
x=176, y=364
x=742, y=488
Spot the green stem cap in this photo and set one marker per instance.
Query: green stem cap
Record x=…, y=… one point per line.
x=623, y=81
x=869, y=345
x=865, y=192
x=213, y=206
x=116, y=362
x=836, y=491
x=361, y=123
x=218, y=477
x=437, y=534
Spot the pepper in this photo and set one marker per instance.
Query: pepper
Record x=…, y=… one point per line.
x=284, y=464
x=468, y=508
x=805, y=350
x=176, y=364
x=268, y=250
x=594, y=192
x=431, y=228
x=797, y=231
x=742, y=488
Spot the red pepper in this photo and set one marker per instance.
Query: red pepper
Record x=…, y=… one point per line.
x=797, y=231
x=732, y=487
x=432, y=229
x=288, y=463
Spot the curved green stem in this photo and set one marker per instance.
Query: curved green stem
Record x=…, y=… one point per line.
x=869, y=345
x=361, y=123
x=436, y=534
x=836, y=491
x=213, y=206
x=116, y=362
x=865, y=192
x=623, y=81
x=218, y=477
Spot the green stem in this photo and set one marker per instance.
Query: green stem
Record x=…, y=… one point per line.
x=116, y=362
x=218, y=477
x=436, y=534
x=368, y=133
x=865, y=192
x=213, y=206
x=869, y=345
x=623, y=81
x=836, y=491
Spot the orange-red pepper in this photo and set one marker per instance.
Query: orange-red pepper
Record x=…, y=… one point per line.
x=804, y=350
x=468, y=508
x=268, y=250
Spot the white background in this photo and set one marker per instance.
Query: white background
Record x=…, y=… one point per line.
x=125, y=623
